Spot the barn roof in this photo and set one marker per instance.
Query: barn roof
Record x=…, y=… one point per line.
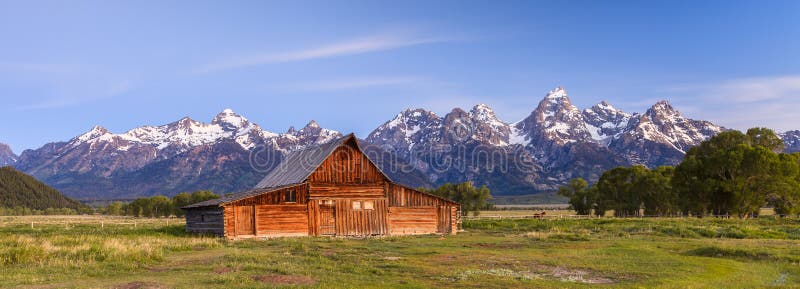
x=293, y=170
x=298, y=165
x=235, y=197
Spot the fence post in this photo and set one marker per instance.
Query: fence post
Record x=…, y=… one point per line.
x=31, y=224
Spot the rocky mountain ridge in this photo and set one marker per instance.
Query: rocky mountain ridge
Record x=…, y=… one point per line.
x=556, y=142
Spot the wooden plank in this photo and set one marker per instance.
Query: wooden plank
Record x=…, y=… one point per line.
x=408, y=221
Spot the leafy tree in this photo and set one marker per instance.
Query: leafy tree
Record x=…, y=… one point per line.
x=655, y=190
x=114, y=209
x=760, y=136
x=200, y=196
x=736, y=174
x=161, y=206
x=470, y=197
x=179, y=201
x=614, y=192
x=582, y=198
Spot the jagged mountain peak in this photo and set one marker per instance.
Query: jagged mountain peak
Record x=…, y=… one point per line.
x=291, y=130
x=663, y=107
x=229, y=119
x=7, y=156
x=604, y=106
x=311, y=124
x=184, y=123
x=95, y=132
x=482, y=107
x=557, y=93
x=483, y=112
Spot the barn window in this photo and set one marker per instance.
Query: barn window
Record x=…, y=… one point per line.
x=291, y=196
x=203, y=218
x=356, y=205
x=368, y=205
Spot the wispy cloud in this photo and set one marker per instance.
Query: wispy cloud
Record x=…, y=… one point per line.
x=112, y=90
x=362, y=45
x=746, y=90
x=746, y=102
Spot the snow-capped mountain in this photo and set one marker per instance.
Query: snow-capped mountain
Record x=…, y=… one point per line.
x=559, y=139
x=556, y=142
x=407, y=129
x=792, y=141
x=108, y=158
x=605, y=122
x=7, y=157
x=556, y=121
x=661, y=136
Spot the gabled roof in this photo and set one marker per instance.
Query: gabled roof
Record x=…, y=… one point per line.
x=298, y=165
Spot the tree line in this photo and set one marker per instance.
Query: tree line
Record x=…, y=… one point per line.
x=158, y=206
x=471, y=198
x=730, y=174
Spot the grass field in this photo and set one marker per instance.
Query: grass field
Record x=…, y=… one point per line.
x=76, y=252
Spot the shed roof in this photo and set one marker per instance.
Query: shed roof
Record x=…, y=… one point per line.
x=235, y=197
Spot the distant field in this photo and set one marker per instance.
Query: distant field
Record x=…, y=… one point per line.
x=103, y=252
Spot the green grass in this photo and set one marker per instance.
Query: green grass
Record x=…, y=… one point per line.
x=507, y=253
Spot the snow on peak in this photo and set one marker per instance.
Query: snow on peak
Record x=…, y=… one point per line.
x=663, y=107
x=312, y=124
x=557, y=93
x=95, y=132
x=230, y=120
x=605, y=106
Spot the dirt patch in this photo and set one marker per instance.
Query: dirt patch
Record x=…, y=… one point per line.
x=223, y=270
x=140, y=285
x=391, y=258
x=285, y=279
x=203, y=259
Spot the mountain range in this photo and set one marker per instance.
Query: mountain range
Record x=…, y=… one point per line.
x=555, y=143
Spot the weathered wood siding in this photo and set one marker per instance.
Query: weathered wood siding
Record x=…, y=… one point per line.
x=347, y=165
x=361, y=222
x=400, y=196
x=347, y=195
x=205, y=220
x=412, y=221
x=337, y=191
x=415, y=212
x=282, y=220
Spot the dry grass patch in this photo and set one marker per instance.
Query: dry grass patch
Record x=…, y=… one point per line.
x=285, y=279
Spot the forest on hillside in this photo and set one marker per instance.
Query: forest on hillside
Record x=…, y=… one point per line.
x=18, y=190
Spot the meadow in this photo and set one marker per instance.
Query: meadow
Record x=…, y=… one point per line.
x=118, y=252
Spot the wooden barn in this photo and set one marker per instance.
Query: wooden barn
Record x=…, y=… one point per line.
x=328, y=190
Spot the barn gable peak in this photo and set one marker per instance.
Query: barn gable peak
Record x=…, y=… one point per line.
x=298, y=165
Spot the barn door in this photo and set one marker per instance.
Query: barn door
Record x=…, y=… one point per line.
x=443, y=220
x=245, y=223
x=327, y=217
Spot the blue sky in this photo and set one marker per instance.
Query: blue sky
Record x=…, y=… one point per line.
x=68, y=65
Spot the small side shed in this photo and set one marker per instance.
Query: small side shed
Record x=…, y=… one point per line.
x=332, y=189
